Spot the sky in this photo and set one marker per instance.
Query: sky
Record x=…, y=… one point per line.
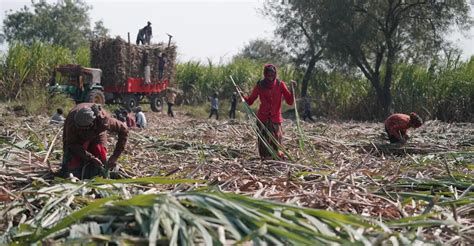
x=202, y=30
x=212, y=29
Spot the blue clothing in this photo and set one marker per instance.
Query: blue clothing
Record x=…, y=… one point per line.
x=214, y=103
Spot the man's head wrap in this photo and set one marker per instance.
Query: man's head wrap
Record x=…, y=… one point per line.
x=84, y=117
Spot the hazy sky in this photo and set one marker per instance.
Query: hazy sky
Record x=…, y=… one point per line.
x=202, y=29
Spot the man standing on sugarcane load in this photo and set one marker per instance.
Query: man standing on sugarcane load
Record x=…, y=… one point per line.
x=148, y=33
x=270, y=90
x=396, y=126
x=141, y=36
x=85, y=139
x=161, y=65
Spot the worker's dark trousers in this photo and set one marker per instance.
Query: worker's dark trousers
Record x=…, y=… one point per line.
x=170, y=110
x=307, y=115
x=214, y=111
x=232, y=113
x=393, y=139
x=160, y=73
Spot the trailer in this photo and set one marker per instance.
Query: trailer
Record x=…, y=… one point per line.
x=133, y=74
x=134, y=90
x=121, y=72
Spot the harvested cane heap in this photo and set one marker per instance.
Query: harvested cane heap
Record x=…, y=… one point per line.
x=120, y=60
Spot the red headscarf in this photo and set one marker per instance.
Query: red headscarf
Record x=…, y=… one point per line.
x=415, y=120
x=269, y=73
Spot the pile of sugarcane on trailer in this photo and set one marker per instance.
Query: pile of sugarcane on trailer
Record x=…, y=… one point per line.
x=120, y=60
x=198, y=181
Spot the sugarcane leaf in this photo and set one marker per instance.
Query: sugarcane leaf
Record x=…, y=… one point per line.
x=72, y=218
x=144, y=200
x=146, y=180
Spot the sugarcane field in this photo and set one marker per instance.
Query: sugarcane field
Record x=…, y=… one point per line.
x=352, y=123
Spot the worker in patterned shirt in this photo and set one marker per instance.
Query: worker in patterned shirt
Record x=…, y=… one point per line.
x=85, y=139
x=397, y=125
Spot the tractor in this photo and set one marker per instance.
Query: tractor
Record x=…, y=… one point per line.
x=82, y=84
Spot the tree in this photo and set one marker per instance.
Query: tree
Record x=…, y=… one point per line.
x=264, y=51
x=376, y=34
x=299, y=27
x=65, y=23
x=100, y=30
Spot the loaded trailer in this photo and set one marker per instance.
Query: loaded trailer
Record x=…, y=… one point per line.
x=121, y=73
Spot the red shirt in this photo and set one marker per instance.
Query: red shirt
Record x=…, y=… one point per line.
x=270, y=100
x=397, y=124
x=131, y=121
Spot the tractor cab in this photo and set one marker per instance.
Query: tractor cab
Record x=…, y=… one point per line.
x=82, y=84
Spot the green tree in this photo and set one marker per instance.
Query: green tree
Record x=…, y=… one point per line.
x=100, y=30
x=299, y=28
x=375, y=35
x=64, y=23
x=372, y=35
x=265, y=51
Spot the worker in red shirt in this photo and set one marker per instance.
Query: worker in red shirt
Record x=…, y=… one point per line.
x=85, y=139
x=397, y=125
x=270, y=90
x=129, y=119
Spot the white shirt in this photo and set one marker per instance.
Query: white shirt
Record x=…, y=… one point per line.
x=141, y=120
x=57, y=119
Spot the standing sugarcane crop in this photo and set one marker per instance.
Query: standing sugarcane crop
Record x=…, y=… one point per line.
x=85, y=138
x=270, y=90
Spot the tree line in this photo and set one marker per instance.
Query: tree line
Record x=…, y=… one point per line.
x=357, y=59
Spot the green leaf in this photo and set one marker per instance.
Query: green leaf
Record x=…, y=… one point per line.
x=72, y=218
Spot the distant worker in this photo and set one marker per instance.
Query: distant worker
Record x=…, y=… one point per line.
x=141, y=37
x=147, y=32
x=307, y=109
x=129, y=119
x=161, y=65
x=170, y=100
x=119, y=115
x=233, y=105
x=85, y=140
x=270, y=90
x=58, y=117
x=140, y=117
x=396, y=126
x=214, y=106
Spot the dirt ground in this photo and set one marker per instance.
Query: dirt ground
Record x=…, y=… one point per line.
x=343, y=166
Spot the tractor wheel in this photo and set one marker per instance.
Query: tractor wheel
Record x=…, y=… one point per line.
x=96, y=96
x=130, y=102
x=156, y=104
